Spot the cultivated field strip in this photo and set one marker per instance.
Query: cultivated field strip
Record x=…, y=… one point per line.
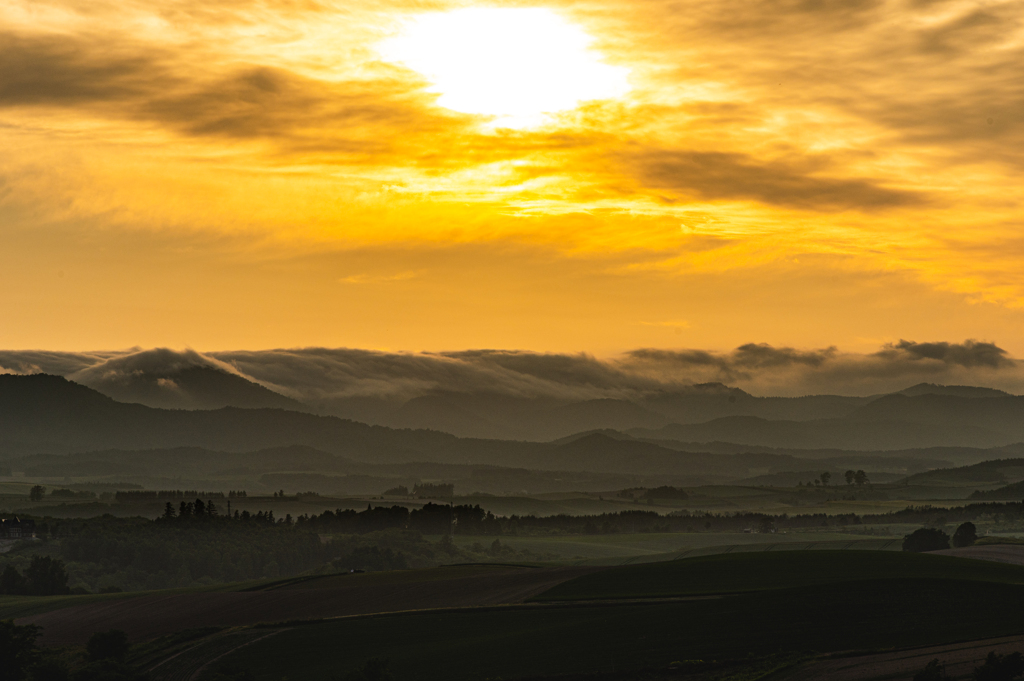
x=960, y=659
x=149, y=616
x=844, y=545
x=189, y=664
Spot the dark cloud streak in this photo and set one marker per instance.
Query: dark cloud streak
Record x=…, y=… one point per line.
x=717, y=175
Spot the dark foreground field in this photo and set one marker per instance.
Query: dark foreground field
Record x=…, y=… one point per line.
x=149, y=615
x=531, y=641
x=695, y=618
x=740, y=572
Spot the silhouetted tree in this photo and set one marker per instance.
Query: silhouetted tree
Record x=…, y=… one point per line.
x=825, y=477
x=36, y=493
x=108, y=645
x=447, y=545
x=1000, y=668
x=46, y=577
x=12, y=583
x=849, y=475
x=933, y=671
x=17, y=649
x=860, y=477
x=926, y=539
x=965, y=535
x=169, y=511
x=50, y=670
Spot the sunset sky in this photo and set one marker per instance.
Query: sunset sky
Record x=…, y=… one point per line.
x=588, y=176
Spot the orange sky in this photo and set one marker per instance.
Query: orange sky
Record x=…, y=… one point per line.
x=226, y=174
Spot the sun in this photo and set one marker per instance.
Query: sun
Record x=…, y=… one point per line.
x=516, y=65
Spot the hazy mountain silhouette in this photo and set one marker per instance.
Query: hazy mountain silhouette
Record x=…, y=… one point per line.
x=846, y=434
x=986, y=473
x=517, y=418
x=48, y=414
x=954, y=390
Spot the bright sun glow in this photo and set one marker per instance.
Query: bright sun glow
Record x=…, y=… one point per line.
x=514, y=64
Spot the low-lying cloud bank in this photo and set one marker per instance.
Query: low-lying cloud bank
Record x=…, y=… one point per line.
x=319, y=376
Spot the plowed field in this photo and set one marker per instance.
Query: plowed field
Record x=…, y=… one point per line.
x=148, y=616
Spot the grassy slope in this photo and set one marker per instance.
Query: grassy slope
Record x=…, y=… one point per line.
x=513, y=642
x=13, y=607
x=575, y=547
x=739, y=572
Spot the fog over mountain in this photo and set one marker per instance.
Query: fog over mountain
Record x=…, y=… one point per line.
x=526, y=395
x=322, y=374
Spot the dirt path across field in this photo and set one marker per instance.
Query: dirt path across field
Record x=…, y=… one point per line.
x=149, y=616
x=1001, y=553
x=960, y=660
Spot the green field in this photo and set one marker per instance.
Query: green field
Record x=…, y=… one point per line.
x=624, y=546
x=13, y=607
x=525, y=641
x=744, y=572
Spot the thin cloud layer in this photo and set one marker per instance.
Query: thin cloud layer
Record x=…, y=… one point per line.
x=318, y=376
x=715, y=175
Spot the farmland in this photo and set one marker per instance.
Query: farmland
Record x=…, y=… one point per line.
x=757, y=610
x=490, y=642
x=155, y=614
x=743, y=572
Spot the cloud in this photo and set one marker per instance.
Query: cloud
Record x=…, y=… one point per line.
x=157, y=364
x=116, y=78
x=767, y=370
x=319, y=376
x=44, y=362
x=740, y=365
x=379, y=278
x=60, y=70
x=969, y=354
x=717, y=175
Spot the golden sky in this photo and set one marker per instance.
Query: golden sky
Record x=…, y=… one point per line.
x=566, y=176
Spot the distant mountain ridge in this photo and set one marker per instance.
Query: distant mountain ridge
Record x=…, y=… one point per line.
x=543, y=419
x=165, y=380
x=47, y=414
x=954, y=390
x=191, y=387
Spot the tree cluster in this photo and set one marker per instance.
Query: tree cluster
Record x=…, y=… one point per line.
x=160, y=554
x=22, y=660
x=433, y=491
x=430, y=519
x=858, y=477
x=926, y=539
x=154, y=495
x=995, y=668
x=44, y=576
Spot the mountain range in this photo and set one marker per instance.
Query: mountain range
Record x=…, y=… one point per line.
x=712, y=410
x=42, y=414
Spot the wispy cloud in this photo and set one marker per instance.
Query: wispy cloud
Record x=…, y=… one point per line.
x=379, y=278
x=319, y=375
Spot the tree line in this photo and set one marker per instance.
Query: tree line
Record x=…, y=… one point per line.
x=44, y=576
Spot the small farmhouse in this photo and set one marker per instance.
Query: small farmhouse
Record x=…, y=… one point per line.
x=16, y=528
